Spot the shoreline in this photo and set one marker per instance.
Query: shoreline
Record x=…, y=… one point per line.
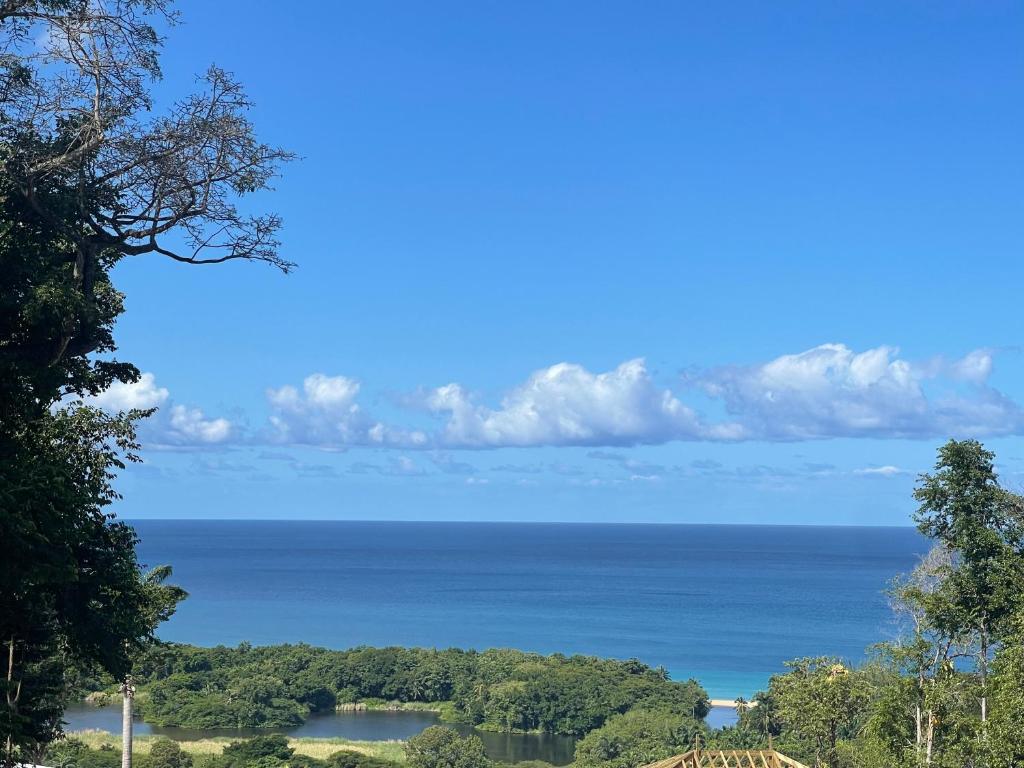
x=731, y=703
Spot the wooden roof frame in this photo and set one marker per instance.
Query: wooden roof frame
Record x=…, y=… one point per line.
x=728, y=758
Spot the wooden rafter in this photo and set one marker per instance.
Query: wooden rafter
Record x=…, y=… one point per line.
x=728, y=758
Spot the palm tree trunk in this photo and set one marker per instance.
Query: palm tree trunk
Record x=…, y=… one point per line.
x=128, y=697
x=983, y=669
x=13, y=694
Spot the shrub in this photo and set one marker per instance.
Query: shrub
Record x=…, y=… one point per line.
x=164, y=753
x=441, y=747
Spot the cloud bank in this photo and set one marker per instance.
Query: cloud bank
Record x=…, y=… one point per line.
x=568, y=405
x=829, y=391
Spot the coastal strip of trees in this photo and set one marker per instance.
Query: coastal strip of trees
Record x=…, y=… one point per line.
x=500, y=690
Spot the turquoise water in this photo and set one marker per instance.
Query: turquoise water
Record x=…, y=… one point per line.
x=723, y=604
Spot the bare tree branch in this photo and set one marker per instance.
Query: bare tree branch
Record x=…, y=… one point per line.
x=74, y=104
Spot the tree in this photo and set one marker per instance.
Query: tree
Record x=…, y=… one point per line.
x=936, y=638
x=165, y=753
x=441, y=747
x=819, y=702
x=636, y=738
x=347, y=758
x=72, y=753
x=264, y=750
x=72, y=588
x=963, y=507
x=1006, y=727
x=77, y=112
x=89, y=177
x=159, y=602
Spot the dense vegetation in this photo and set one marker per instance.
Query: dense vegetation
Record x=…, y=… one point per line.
x=502, y=690
x=638, y=737
x=89, y=175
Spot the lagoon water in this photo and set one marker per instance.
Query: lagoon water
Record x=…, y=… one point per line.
x=726, y=605
x=360, y=726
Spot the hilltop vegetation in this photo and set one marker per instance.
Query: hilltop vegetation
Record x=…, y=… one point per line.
x=501, y=690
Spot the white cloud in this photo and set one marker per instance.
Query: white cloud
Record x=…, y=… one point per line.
x=325, y=414
x=177, y=426
x=887, y=471
x=975, y=366
x=831, y=391
x=568, y=405
x=190, y=425
x=143, y=393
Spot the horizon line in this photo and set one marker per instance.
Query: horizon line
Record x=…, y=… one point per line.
x=501, y=522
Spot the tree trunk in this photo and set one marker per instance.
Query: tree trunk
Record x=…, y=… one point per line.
x=983, y=671
x=13, y=694
x=128, y=696
x=930, y=738
x=921, y=693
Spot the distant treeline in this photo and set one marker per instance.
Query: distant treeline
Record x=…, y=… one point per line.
x=501, y=690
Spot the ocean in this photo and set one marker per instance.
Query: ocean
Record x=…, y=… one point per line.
x=726, y=605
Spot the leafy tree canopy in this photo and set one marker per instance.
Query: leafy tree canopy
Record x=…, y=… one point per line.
x=441, y=747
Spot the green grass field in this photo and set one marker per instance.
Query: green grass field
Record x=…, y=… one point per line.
x=320, y=748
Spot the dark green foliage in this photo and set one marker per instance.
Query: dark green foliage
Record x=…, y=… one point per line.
x=963, y=505
x=347, y=758
x=638, y=737
x=47, y=322
x=1006, y=728
x=165, y=753
x=71, y=753
x=71, y=592
x=818, y=704
x=441, y=747
x=964, y=508
x=66, y=572
x=498, y=689
x=305, y=761
x=271, y=749
x=245, y=702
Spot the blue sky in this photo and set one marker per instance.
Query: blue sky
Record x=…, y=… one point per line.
x=653, y=262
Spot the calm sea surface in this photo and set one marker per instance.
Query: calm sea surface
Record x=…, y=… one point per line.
x=723, y=604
